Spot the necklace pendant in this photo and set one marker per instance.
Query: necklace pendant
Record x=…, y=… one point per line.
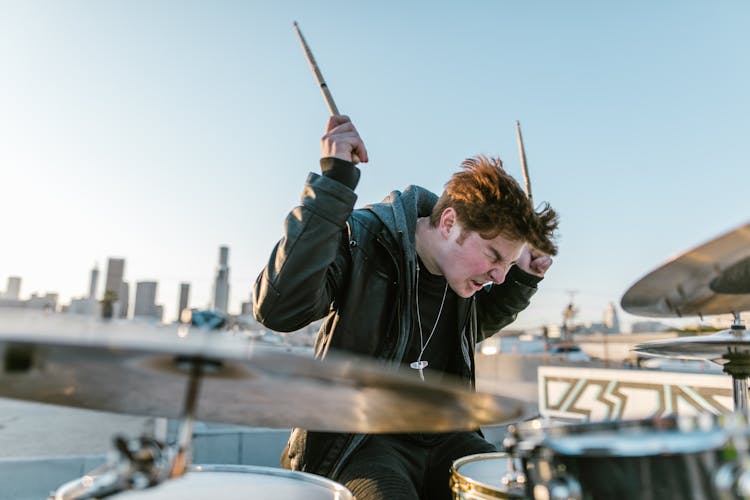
x=419, y=365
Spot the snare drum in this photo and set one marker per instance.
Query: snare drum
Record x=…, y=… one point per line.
x=480, y=477
x=665, y=458
x=237, y=482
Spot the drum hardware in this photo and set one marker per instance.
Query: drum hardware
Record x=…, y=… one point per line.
x=738, y=367
x=712, y=278
x=236, y=482
x=185, y=434
x=479, y=477
x=696, y=457
x=731, y=348
x=561, y=487
x=555, y=485
x=143, y=462
x=513, y=479
x=732, y=482
x=142, y=370
x=137, y=464
x=732, y=479
x=733, y=280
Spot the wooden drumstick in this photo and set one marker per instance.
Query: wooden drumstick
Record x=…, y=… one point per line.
x=319, y=78
x=524, y=169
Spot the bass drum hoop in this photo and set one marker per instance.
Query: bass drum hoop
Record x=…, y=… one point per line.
x=305, y=477
x=72, y=489
x=545, y=433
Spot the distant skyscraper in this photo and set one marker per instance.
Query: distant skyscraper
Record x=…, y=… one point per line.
x=611, y=321
x=246, y=308
x=115, y=272
x=124, y=299
x=221, y=284
x=158, y=313
x=13, y=291
x=184, y=298
x=93, y=282
x=145, y=299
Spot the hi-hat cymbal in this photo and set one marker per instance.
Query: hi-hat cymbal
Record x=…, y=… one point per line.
x=708, y=347
x=709, y=279
x=143, y=370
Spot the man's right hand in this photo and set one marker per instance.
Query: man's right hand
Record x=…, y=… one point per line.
x=342, y=140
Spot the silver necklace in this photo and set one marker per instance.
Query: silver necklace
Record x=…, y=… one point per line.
x=421, y=364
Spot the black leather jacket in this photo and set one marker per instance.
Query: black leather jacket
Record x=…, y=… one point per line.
x=357, y=268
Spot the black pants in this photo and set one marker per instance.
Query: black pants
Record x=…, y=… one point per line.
x=408, y=466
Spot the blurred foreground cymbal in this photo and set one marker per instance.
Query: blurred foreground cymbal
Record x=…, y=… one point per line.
x=143, y=370
x=708, y=347
x=713, y=278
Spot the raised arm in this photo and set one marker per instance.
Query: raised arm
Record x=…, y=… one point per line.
x=310, y=263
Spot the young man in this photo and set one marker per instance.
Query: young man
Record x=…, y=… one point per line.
x=414, y=280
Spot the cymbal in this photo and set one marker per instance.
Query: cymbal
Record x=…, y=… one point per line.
x=713, y=278
x=708, y=347
x=734, y=279
x=143, y=370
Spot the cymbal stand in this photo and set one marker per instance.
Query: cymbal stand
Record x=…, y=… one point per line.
x=513, y=479
x=142, y=462
x=185, y=434
x=738, y=366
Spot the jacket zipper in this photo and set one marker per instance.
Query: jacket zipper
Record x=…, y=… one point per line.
x=358, y=439
x=400, y=347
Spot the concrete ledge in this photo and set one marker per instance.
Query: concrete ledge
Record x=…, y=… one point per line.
x=241, y=446
x=34, y=479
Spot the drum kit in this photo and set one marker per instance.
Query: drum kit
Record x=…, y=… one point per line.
x=699, y=457
x=193, y=374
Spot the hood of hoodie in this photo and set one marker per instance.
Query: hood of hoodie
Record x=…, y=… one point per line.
x=399, y=212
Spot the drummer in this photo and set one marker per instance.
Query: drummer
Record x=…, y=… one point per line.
x=415, y=280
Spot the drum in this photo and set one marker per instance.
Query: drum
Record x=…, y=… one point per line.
x=234, y=482
x=666, y=458
x=480, y=477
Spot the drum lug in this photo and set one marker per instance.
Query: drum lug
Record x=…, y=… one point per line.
x=563, y=487
x=514, y=479
x=732, y=481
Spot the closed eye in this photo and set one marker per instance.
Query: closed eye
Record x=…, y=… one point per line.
x=494, y=256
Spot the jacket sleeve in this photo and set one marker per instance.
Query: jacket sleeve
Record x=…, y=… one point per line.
x=309, y=263
x=498, y=305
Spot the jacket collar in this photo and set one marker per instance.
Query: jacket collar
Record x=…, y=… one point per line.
x=399, y=212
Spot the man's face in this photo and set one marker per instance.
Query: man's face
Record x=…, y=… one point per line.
x=469, y=261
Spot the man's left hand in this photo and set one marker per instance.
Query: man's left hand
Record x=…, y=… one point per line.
x=533, y=261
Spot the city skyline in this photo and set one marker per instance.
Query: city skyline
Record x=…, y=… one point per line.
x=146, y=304
x=115, y=279
x=146, y=298
x=173, y=128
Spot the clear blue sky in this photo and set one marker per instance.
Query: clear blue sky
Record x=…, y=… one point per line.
x=157, y=131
